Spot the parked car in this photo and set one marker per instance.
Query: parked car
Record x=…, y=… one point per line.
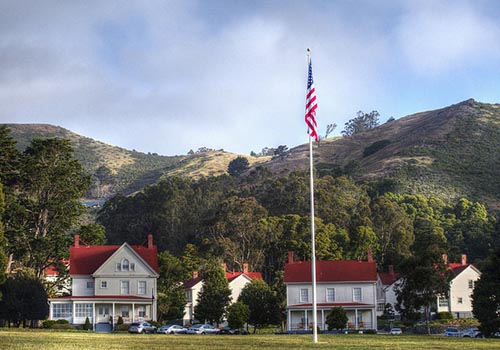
x=230, y=331
x=472, y=333
x=172, y=329
x=396, y=331
x=141, y=327
x=452, y=332
x=202, y=329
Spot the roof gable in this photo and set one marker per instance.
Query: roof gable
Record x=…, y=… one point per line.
x=332, y=271
x=86, y=260
x=388, y=278
x=125, y=251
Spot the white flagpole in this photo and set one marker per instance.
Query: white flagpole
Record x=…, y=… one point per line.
x=313, y=240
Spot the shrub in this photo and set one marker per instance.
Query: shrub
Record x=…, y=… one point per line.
x=121, y=327
x=62, y=321
x=48, y=324
x=337, y=318
x=87, y=325
x=445, y=316
x=120, y=321
x=62, y=326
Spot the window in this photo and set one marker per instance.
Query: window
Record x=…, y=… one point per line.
x=104, y=284
x=141, y=287
x=460, y=301
x=356, y=294
x=304, y=295
x=141, y=311
x=330, y=295
x=83, y=310
x=125, y=287
x=125, y=265
x=132, y=267
x=471, y=284
x=61, y=311
x=118, y=266
x=90, y=284
x=443, y=302
x=125, y=312
x=188, y=295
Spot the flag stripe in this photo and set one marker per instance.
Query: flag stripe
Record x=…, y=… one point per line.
x=311, y=106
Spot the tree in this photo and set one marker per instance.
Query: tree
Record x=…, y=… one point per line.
x=47, y=203
x=237, y=315
x=362, y=122
x=329, y=129
x=486, y=297
x=92, y=234
x=262, y=303
x=171, y=299
x=280, y=152
x=3, y=241
x=24, y=299
x=238, y=233
x=9, y=157
x=237, y=166
x=337, y=318
x=214, y=297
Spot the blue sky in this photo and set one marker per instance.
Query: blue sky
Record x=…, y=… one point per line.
x=170, y=76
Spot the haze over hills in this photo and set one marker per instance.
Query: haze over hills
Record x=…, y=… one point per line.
x=449, y=153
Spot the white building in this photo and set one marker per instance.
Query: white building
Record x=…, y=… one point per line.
x=237, y=280
x=351, y=284
x=459, y=303
x=109, y=282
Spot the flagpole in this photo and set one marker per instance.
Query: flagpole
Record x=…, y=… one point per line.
x=313, y=239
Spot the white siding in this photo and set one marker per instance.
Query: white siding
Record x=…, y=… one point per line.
x=343, y=292
x=80, y=286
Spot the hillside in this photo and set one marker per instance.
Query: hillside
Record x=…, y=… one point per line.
x=449, y=152
x=117, y=170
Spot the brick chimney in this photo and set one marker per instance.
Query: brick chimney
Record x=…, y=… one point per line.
x=445, y=259
x=150, y=241
x=77, y=240
x=391, y=269
x=245, y=268
x=464, y=259
x=195, y=274
x=291, y=257
x=370, y=255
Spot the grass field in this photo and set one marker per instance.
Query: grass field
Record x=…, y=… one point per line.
x=46, y=340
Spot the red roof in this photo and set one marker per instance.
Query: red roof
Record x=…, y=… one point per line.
x=51, y=269
x=388, y=278
x=229, y=276
x=332, y=271
x=85, y=260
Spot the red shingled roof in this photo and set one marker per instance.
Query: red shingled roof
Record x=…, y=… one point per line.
x=331, y=271
x=85, y=260
x=229, y=276
x=388, y=278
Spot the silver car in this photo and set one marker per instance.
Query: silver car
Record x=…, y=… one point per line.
x=141, y=327
x=203, y=329
x=172, y=329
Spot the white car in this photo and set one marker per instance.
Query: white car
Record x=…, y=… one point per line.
x=172, y=329
x=396, y=331
x=203, y=329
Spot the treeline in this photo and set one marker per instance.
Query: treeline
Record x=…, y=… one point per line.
x=258, y=217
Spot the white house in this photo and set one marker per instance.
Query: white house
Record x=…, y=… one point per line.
x=237, y=280
x=387, y=290
x=109, y=281
x=459, y=303
x=351, y=284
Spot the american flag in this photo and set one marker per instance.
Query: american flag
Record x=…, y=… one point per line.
x=311, y=105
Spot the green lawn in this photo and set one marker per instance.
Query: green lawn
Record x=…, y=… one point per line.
x=46, y=340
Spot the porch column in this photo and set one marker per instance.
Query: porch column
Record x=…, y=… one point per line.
x=113, y=318
x=323, y=319
x=355, y=318
x=374, y=319
x=133, y=311
x=306, y=322
x=51, y=306
x=93, y=316
x=289, y=319
x=74, y=313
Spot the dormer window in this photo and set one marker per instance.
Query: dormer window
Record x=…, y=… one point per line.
x=125, y=265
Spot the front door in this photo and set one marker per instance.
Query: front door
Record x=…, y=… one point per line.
x=103, y=313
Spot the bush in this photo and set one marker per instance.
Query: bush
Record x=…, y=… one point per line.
x=48, y=324
x=87, y=325
x=120, y=321
x=62, y=326
x=445, y=316
x=62, y=321
x=122, y=327
x=337, y=318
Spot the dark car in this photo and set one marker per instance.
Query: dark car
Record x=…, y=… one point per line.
x=141, y=327
x=229, y=331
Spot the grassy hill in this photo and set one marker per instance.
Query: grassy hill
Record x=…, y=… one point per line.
x=449, y=152
x=117, y=170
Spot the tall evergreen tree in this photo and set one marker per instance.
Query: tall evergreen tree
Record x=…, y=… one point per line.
x=214, y=297
x=262, y=302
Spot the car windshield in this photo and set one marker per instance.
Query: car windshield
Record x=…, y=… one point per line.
x=197, y=326
x=135, y=324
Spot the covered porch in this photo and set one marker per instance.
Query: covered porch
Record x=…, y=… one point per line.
x=360, y=316
x=102, y=309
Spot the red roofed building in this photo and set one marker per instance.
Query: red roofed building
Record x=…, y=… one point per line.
x=351, y=284
x=108, y=282
x=459, y=303
x=237, y=280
